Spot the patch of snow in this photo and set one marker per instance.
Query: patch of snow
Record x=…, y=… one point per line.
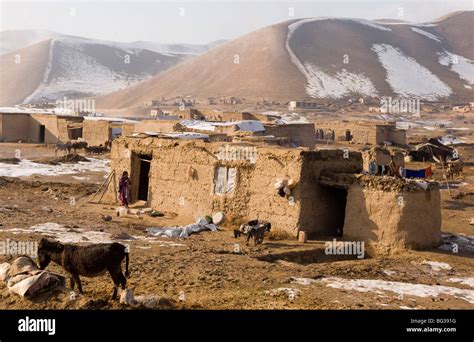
x=271, y=112
x=82, y=73
x=437, y=266
x=408, y=289
x=449, y=140
x=389, y=272
x=108, y=118
x=186, y=135
x=289, y=118
x=80, y=178
x=462, y=66
x=244, y=125
x=342, y=83
x=465, y=281
x=65, y=235
x=302, y=281
x=426, y=34
x=27, y=168
x=78, y=235
x=407, y=77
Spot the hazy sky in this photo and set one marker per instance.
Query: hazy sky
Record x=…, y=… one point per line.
x=200, y=21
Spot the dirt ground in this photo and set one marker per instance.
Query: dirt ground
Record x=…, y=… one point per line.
x=209, y=271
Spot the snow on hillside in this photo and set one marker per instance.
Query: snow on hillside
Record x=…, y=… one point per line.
x=462, y=66
x=80, y=72
x=407, y=77
x=321, y=84
x=426, y=34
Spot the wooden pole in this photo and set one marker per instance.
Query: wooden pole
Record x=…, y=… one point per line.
x=101, y=186
x=106, y=186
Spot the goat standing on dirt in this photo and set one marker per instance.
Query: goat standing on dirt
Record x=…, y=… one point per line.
x=89, y=261
x=455, y=168
x=253, y=229
x=63, y=147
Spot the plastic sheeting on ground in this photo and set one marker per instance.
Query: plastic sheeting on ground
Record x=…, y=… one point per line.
x=183, y=231
x=25, y=279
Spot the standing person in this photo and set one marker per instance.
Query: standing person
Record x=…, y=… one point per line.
x=124, y=189
x=372, y=167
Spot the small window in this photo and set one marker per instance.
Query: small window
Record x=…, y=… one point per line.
x=224, y=180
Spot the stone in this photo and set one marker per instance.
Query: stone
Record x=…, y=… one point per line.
x=302, y=237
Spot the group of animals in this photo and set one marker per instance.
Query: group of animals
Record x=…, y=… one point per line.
x=98, y=259
x=82, y=145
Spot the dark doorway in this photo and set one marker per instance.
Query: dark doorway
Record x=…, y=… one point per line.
x=143, y=181
x=335, y=200
x=348, y=135
x=340, y=196
x=42, y=133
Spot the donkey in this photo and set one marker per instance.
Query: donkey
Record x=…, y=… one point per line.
x=89, y=261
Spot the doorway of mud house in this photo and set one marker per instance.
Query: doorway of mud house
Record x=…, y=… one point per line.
x=336, y=201
x=42, y=133
x=143, y=163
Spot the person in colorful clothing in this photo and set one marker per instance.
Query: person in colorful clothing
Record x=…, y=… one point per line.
x=124, y=189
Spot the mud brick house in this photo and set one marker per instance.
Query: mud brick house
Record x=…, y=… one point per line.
x=39, y=127
x=363, y=132
x=99, y=131
x=194, y=178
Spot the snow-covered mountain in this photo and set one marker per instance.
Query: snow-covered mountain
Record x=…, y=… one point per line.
x=325, y=58
x=42, y=65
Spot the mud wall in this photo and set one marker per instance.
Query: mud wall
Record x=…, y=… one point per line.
x=398, y=136
x=390, y=221
x=96, y=132
x=164, y=126
x=298, y=134
x=383, y=157
x=15, y=127
x=319, y=204
x=182, y=179
x=51, y=128
x=361, y=133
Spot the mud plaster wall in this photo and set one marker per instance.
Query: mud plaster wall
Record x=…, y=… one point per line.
x=398, y=136
x=164, y=126
x=182, y=180
x=388, y=224
x=299, y=134
x=51, y=128
x=317, y=201
x=15, y=127
x=128, y=129
x=382, y=157
x=228, y=116
x=63, y=127
x=96, y=132
x=362, y=134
